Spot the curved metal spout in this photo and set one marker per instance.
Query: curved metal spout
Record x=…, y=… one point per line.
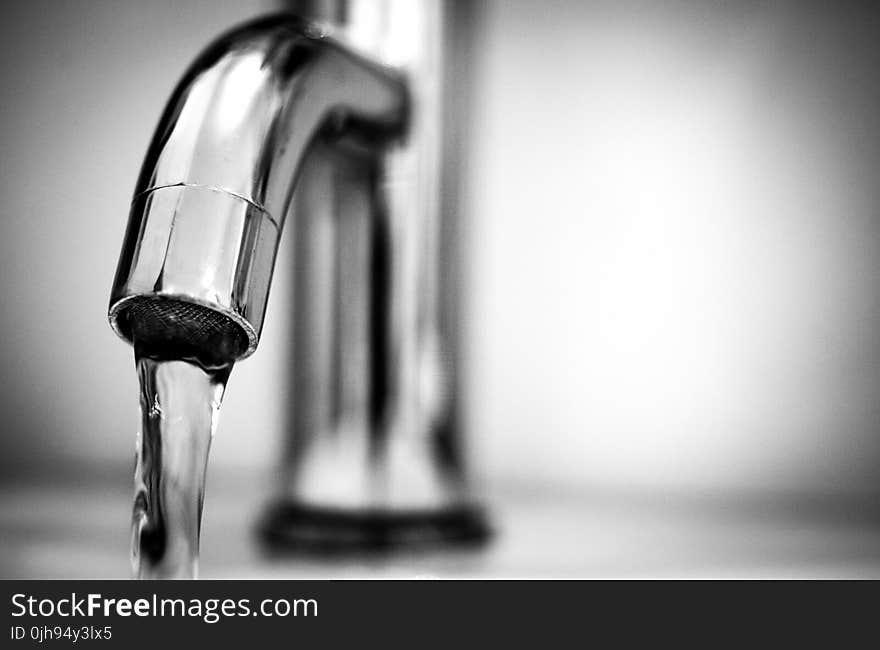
x=217, y=182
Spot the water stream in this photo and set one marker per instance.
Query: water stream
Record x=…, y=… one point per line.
x=179, y=401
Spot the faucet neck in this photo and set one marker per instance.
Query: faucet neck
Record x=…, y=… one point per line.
x=217, y=182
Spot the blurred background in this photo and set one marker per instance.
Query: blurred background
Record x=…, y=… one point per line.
x=673, y=223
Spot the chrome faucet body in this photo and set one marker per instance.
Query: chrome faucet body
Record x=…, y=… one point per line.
x=280, y=121
x=218, y=179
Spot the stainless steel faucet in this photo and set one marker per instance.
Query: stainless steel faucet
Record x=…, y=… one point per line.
x=332, y=118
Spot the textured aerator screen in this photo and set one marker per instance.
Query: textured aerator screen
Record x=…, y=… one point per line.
x=171, y=328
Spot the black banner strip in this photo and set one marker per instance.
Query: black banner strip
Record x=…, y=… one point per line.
x=416, y=613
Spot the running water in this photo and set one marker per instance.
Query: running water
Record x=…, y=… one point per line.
x=179, y=403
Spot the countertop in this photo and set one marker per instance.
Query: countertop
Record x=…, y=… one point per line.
x=79, y=529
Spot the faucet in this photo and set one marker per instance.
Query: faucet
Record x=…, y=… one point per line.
x=292, y=119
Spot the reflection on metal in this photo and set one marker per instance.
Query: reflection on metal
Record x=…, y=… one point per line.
x=218, y=179
x=338, y=122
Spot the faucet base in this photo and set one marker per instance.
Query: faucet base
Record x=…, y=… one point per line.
x=290, y=527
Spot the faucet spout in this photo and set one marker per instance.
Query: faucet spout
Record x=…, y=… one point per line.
x=216, y=186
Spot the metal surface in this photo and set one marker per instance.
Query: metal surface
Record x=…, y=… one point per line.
x=218, y=179
x=373, y=455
